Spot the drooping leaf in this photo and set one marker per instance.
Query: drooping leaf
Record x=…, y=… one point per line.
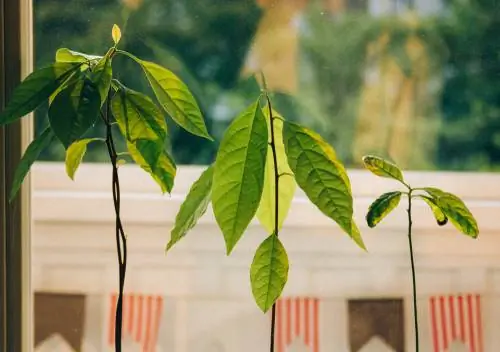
x=36, y=89
x=239, y=174
x=286, y=181
x=175, y=97
x=29, y=157
x=383, y=168
x=101, y=76
x=456, y=210
x=74, y=110
x=440, y=217
x=356, y=236
x=75, y=154
x=116, y=33
x=381, y=207
x=138, y=117
x=152, y=158
x=193, y=207
x=269, y=272
x=319, y=175
x=67, y=55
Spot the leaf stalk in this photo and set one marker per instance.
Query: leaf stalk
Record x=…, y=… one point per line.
x=413, y=275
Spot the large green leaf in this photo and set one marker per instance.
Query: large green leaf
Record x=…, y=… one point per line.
x=74, y=110
x=440, y=217
x=239, y=174
x=456, y=210
x=269, y=272
x=193, y=207
x=152, y=158
x=29, y=157
x=319, y=175
x=286, y=181
x=102, y=74
x=75, y=154
x=36, y=89
x=138, y=117
x=383, y=168
x=67, y=55
x=175, y=97
x=381, y=207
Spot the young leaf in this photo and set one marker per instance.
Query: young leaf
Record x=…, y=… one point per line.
x=67, y=55
x=35, y=89
x=267, y=209
x=456, y=210
x=29, y=157
x=174, y=97
x=193, y=207
x=151, y=157
x=138, y=117
x=381, y=207
x=102, y=75
x=74, y=155
x=321, y=177
x=269, y=272
x=438, y=213
x=383, y=168
x=116, y=33
x=239, y=174
x=74, y=111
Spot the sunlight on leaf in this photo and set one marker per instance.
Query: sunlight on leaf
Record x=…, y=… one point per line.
x=269, y=272
x=381, y=207
x=193, y=207
x=383, y=168
x=102, y=75
x=75, y=154
x=67, y=55
x=116, y=33
x=440, y=217
x=239, y=173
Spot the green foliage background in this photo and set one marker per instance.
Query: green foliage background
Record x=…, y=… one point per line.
x=205, y=43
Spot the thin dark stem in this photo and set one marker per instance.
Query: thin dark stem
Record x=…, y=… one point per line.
x=276, y=206
x=414, y=279
x=121, y=240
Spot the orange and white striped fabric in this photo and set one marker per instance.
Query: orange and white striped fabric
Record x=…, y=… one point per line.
x=456, y=318
x=297, y=317
x=141, y=319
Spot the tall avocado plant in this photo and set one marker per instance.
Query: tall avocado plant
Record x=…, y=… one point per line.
x=445, y=206
x=81, y=91
x=261, y=160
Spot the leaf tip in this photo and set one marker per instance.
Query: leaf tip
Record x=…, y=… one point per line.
x=116, y=34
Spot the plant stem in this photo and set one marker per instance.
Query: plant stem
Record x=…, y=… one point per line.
x=121, y=240
x=276, y=206
x=414, y=280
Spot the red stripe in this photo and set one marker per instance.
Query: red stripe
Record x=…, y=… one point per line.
x=444, y=326
x=156, y=326
x=112, y=307
x=279, y=326
x=148, y=324
x=138, y=335
x=435, y=337
x=307, y=338
x=297, y=317
x=316, y=326
x=479, y=324
x=471, y=324
x=288, y=321
x=131, y=301
x=461, y=317
x=452, y=316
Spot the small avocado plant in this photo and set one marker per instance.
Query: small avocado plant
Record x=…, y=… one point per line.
x=261, y=159
x=81, y=93
x=445, y=206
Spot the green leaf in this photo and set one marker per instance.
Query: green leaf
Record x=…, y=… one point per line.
x=74, y=110
x=67, y=55
x=138, y=117
x=29, y=157
x=381, y=207
x=72, y=78
x=102, y=74
x=151, y=157
x=116, y=33
x=383, y=168
x=456, y=210
x=36, y=89
x=75, y=153
x=193, y=207
x=286, y=182
x=175, y=97
x=322, y=178
x=239, y=174
x=441, y=218
x=269, y=272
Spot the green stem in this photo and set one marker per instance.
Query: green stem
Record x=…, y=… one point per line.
x=414, y=279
